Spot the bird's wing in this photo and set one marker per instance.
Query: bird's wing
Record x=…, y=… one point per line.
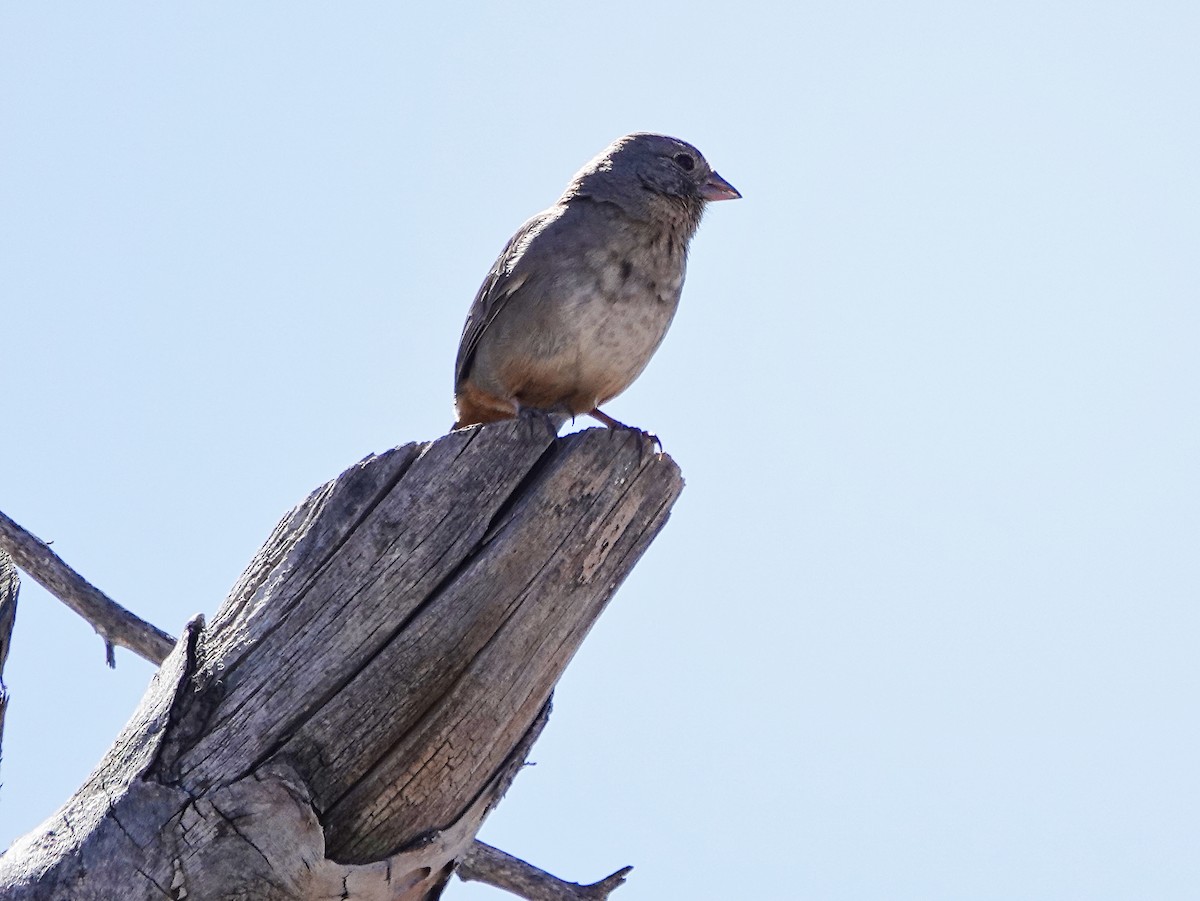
x=507, y=275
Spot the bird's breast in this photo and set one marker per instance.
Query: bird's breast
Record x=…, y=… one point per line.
x=619, y=316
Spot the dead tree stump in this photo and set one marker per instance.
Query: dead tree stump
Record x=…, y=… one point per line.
x=371, y=685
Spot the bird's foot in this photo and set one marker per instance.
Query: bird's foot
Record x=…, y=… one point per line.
x=603, y=417
x=550, y=420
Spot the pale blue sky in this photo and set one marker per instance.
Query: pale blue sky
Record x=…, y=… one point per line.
x=925, y=621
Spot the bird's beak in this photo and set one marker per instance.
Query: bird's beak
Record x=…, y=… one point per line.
x=717, y=188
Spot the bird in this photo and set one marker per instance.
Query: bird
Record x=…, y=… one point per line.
x=582, y=294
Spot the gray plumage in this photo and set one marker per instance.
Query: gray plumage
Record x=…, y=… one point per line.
x=582, y=295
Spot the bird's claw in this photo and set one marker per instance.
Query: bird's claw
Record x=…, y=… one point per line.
x=642, y=434
x=655, y=442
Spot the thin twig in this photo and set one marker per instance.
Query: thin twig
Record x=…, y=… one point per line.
x=115, y=624
x=483, y=863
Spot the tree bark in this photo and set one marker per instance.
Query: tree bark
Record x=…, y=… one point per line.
x=372, y=684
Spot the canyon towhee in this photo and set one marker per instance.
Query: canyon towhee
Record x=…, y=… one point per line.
x=583, y=293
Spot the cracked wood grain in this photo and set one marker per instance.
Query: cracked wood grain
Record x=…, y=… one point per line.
x=10, y=587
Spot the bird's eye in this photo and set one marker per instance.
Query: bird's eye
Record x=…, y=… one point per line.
x=685, y=162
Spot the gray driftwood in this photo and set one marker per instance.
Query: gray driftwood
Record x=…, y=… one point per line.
x=372, y=684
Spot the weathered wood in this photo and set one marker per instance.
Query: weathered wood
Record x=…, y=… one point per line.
x=115, y=624
x=372, y=684
x=10, y=586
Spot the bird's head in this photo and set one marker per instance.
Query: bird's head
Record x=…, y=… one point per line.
x=642, y=170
